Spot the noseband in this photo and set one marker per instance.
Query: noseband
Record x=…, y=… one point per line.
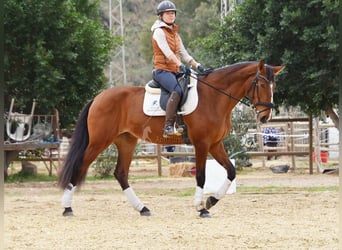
x=255, y=88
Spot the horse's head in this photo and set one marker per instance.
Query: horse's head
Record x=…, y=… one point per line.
x=260, y=92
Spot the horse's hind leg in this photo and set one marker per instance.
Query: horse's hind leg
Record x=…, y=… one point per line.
x=220, y=155
x=91, y=152
x=125, y=144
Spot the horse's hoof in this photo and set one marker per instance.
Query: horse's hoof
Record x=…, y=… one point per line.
x=211, y=201
x=204, y=213
x=68, y=212
x=145, y=212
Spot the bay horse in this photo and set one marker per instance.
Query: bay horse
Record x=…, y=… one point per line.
x=115, y=116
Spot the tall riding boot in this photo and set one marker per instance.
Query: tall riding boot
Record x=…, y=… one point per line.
x=171, y=109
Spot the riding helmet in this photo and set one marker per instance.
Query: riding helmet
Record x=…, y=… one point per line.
x=166, y=6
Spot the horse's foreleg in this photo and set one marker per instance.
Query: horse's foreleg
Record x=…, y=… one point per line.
x=201, y=157
x=126, y=144
x=221, y=157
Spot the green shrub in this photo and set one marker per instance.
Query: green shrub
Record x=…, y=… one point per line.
x=105, y=163
x=236, y=143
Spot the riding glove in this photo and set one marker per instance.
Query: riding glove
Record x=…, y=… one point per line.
x=200, y=69
x=184, y=69
x=204, y=71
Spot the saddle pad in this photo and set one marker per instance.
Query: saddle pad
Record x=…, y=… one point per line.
x=151, y=106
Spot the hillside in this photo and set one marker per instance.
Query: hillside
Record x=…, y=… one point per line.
x=138, y=17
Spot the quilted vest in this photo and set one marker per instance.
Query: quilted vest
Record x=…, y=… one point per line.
x=159, y=59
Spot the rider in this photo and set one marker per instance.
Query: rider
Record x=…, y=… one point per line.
x=168, y=54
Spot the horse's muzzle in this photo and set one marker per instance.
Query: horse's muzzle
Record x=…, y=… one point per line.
x=265, y=114
x=264, y=119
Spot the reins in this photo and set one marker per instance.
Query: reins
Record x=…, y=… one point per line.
x=248, y=104
x=221, y=91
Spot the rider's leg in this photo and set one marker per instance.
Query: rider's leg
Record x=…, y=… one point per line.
x=169, y=82
x=170, y=116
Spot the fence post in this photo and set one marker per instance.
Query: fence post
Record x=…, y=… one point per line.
x=159, y=161
x=261, y=144
x=310, y=144
x=292, y=147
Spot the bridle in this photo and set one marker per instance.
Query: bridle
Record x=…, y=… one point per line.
x=254, y=87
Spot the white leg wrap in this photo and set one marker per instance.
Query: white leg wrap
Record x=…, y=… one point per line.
x=223, y=189
x=232, y=188
x=67, y=195
x=198, y=202
x=133, y=199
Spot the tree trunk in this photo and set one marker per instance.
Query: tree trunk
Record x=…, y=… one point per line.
x=317, y=146
x=333, y=116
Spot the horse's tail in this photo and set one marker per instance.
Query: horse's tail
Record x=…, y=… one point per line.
x=74, y=160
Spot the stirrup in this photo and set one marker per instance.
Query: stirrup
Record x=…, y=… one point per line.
x=179, y=130
x=170, y=130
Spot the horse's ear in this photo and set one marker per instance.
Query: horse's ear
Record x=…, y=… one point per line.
x=261, y=65
x=278, y=69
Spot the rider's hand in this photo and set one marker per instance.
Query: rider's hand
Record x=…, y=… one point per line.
x=184, y=69
x=200, y=69
x=204, y=71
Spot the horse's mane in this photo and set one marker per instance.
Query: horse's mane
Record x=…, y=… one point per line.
x=235, y=66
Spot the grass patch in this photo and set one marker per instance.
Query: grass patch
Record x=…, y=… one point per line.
x=24, y=177
x=186, y=192
x=282, y=189
x=133, y=178
x=265, y=190
x=96, y=178
x=321, y=189
x=136, y=178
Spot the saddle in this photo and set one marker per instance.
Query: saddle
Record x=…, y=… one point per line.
x=156, y=97
x=183, y=81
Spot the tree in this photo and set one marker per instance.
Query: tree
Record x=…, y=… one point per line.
x=55, y=52
x=196, y=18
x=302, y=35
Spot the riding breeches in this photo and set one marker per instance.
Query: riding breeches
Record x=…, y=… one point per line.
x=167, y=80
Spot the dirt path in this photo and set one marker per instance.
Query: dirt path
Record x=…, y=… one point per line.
x=269, y=211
